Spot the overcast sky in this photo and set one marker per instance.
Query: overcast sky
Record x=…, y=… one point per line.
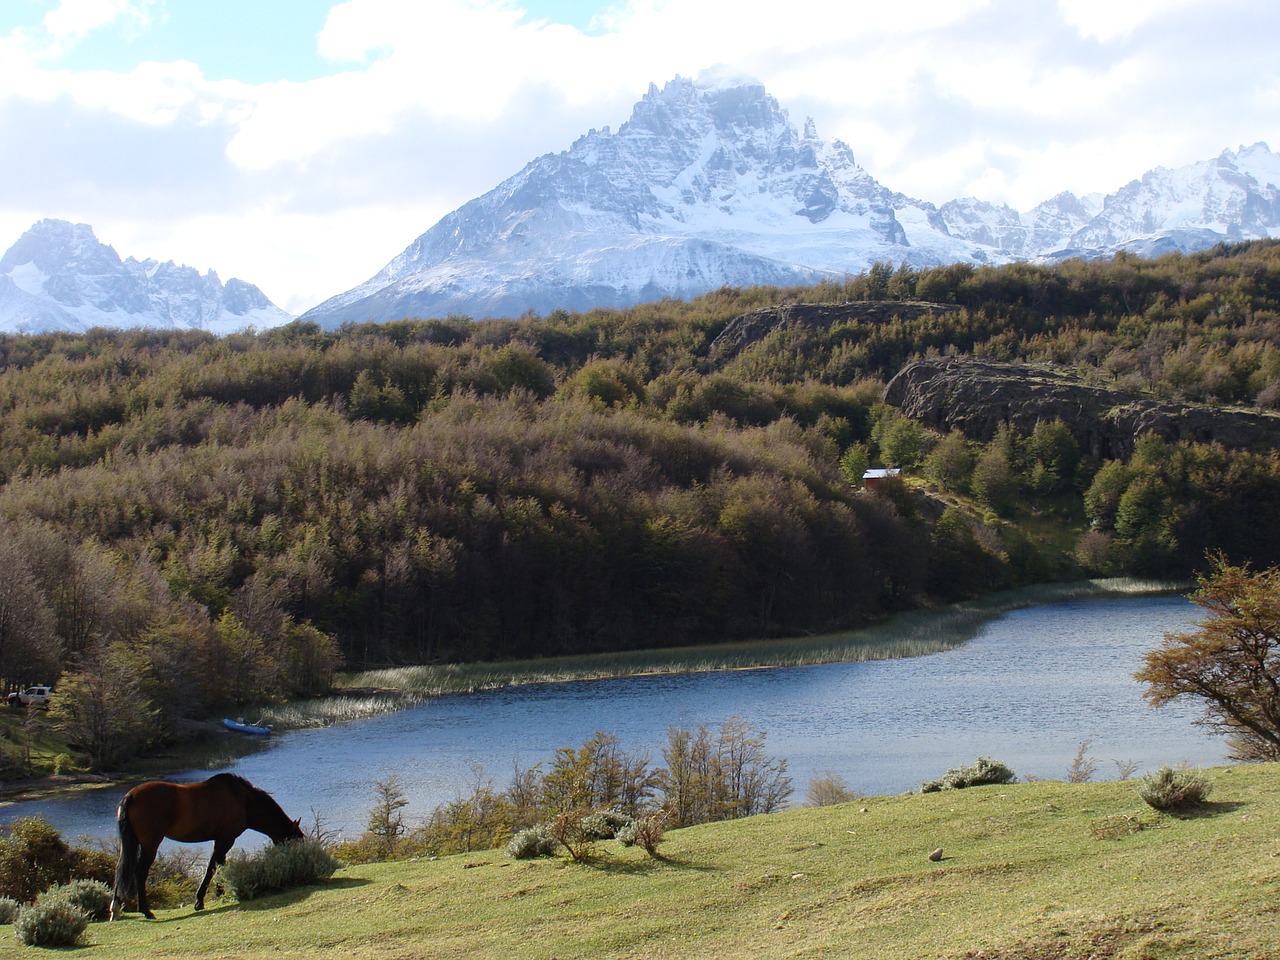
x=301, y=144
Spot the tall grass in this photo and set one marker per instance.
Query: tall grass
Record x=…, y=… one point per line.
x=326, y=711
x=911, y=634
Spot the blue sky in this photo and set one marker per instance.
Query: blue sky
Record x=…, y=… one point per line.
x=251, y=40
x=301, y=144
x=255, y=41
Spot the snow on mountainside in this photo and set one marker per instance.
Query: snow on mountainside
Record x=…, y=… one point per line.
x=709, y=183
x=58, y=276
x=1233, y=197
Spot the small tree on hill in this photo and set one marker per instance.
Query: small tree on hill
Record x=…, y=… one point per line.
x=1232, y=662
x=386, y=821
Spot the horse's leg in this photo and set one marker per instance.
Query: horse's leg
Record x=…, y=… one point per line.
x=216, y=859
x=146, y=857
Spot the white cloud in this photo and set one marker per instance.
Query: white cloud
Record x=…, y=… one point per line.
x=1108, y=20
x=72, y=20
x=307, y=186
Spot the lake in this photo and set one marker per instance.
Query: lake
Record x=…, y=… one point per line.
x=1027, y=690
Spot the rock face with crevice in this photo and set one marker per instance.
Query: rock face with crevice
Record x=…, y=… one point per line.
x=976, y=396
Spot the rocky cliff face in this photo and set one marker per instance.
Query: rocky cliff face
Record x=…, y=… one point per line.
x=976, y=396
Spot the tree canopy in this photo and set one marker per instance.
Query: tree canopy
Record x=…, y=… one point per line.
x=1232, y=662
x=236, y=518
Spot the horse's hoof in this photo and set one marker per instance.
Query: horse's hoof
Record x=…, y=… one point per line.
x=200, y=906
x=149, y=915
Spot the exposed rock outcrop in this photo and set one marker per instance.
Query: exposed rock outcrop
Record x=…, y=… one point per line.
x=746, y=329
x=976, y=396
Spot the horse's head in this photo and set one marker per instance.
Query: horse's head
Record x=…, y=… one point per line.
x=266, y=816
x=292, y=831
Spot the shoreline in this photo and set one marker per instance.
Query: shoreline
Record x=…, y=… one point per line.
x=919, y=632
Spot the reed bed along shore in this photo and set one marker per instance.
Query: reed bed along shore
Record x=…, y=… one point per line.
x=911, y=634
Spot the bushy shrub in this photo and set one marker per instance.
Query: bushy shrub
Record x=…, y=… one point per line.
x=280, y=867
x=568, y=833
x=1170, y=789
x=646, y=832
x=983, y=772
x=51, y=922
x=829, y=788
x=531, y=843
x=33, y=857
x=91, y=896
x=9, y=908
x=604, y=825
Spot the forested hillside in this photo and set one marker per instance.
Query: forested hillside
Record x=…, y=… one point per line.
x=207, y=521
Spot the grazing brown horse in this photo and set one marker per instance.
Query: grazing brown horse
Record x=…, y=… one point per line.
x=218, y=809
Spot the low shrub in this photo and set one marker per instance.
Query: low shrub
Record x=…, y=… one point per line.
x=829, y=788
x=646, y=832
x=298, y=863
x=983, y=772
x=567, y=831
x=91, y=896
x=33, y=857
x=604, y=825
x=1170, y=789
x=9, y=908
x=531, y=843
x=174, y=877
x=51, y=922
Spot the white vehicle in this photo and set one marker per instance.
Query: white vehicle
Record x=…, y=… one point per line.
x=37, y=696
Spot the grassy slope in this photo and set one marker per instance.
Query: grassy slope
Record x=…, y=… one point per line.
x=1025, y=874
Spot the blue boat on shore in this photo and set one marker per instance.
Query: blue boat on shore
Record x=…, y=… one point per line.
x=241, y=727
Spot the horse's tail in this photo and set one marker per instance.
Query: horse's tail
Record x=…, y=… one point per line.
x=126, y=885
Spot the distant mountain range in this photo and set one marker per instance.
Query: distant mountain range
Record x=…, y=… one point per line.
x=708, y=184
x=58, y=276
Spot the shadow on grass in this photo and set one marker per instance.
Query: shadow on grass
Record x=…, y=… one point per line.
x=1208, y=809
x=646, y=866
x=287, y=898
x=270, y=901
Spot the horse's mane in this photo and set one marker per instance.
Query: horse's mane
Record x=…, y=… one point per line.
x=234, y=778
x=238, y=782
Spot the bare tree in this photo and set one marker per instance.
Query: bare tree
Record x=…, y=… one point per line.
x=29, y=649
x=1082, y=767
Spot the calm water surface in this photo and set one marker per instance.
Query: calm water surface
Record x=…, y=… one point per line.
x=1027, y=690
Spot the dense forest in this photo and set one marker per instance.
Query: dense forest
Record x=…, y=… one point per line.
x=193, y=522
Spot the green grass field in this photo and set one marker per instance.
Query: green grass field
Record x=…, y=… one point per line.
x=1046, y=870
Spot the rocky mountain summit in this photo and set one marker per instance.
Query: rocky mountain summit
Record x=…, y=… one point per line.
x=976, y=396
x=58, y=276
x=710, y=183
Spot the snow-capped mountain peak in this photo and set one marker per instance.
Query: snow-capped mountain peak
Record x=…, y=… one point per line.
x=710, y=183
x=707, y=183
x=58, y=276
